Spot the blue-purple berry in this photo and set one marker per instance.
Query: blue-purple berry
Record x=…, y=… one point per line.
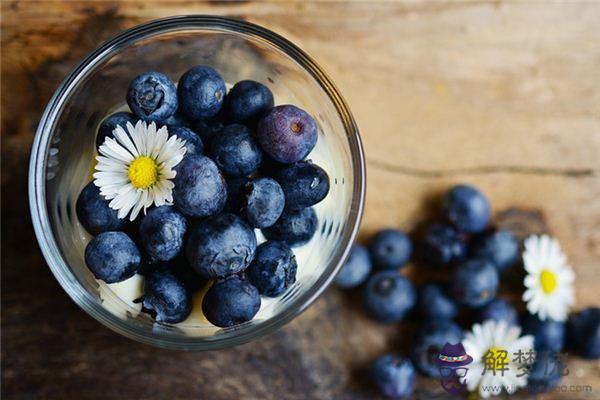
x=304, y=184
x=295, y=227
x=230, y=301
x=235, y=151
x=273, y=270
x=356, y=270
x=467, y=208
x=201, y=91
x=390, y=249
x=152, y=96
x=112, y=257
x=94, y=212
x=247, y=101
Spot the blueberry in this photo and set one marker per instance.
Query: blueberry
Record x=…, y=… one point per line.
x=475, y=283
x=107, y=126
x=247, y=101
x=304, y=184
x=388, y=296
x=235, y=151
x=467, y=208
x=200, y=189
x=435, y=303
x=429, y=341
x=193, y=143
x=549, y=334
x=287, y=133
x=545, y=373
x=94, y=213
x=443, y=245
x=177, y=119
x=501, y=248
x=112, y=257
x=230, y=301
x=178, y=266
x=390, y=249
x=273, y=269
x=498, y=310
x=208, y=128
x=201, y=91
x=220, y=245
x=295, y=227
x=263, y=202
x=356, y=270
x=393, y=375
x=152, y=96
x=161, y=232
x=166, y=298
x=584, y=332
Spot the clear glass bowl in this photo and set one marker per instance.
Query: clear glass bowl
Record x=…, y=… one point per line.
x=63, y=151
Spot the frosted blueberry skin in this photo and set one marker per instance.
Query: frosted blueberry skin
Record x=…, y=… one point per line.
x=235, y=151
x=112, y=257
x=94, y=213
x=501, y=248
x=230, y=301
x=287, y=133
x=499, y=310
x=304, y=184
x=584, y=332
x=467, y=208
x=549, y=335
x=390, y=249
x=201, y=91
x=263, y=202
x=165, y=298
x=152, y=96
x=193, y=143
x=435, y=303
x=388, y=296
x=161, y=232
x=273, y=269
x=356, y=270
x=295, y=227
x=200, y=189
x=107, y=126
x=393, y=375
x=220, y=245
x=443, y=245
x=247, y=101
x=475, y=283
x=429, y=341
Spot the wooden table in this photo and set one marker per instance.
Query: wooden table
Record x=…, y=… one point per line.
x=503, y=96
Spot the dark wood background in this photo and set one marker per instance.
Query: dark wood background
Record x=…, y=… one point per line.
x=504, y=96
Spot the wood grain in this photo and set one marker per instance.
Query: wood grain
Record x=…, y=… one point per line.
x=503, y=96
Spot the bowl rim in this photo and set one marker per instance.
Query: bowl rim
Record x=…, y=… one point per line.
x=37, y=182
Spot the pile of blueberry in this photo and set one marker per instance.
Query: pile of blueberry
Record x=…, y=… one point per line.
x=475, y=257
x=245, y=170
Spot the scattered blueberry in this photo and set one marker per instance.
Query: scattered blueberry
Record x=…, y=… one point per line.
x=165, y=298
x=501, y=248
x=201, y=91
x=356, y=270
x=304, y=184
x=287, y=133
x=390, y=249
x=498, y=310
x=161, y=232
x=273, y=269
x=467, y=208
x=435, y=303
x=247, y=101
x=429, y=341
x=220, y=245
x=107, y=126
x=393, y=375
x=263, y=202
x=545, y=373
x=112, y=257
x=549, y=334
x=200, y=189
x=388, y=296
x=230, y=301
x=475, y=283
x=295, y=227
x=193, y=143
x=584, y=332
x=235, y=151
x=443, y=245
x=94, y=213
x=152, y=96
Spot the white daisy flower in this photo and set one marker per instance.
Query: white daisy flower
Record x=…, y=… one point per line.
x=135, y=170
x=549, y=279
x=500, y=358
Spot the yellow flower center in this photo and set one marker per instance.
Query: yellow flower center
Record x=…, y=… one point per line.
x=496, y=359
x=548, y=281
x=143, y=172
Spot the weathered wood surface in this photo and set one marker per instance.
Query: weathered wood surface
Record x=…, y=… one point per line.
x=504, y=96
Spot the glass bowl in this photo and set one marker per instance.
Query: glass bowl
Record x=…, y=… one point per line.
x=63, y=152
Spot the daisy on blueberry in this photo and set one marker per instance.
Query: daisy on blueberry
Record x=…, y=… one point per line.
x=135, y=168
x=501, y=357
x=549, y=280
